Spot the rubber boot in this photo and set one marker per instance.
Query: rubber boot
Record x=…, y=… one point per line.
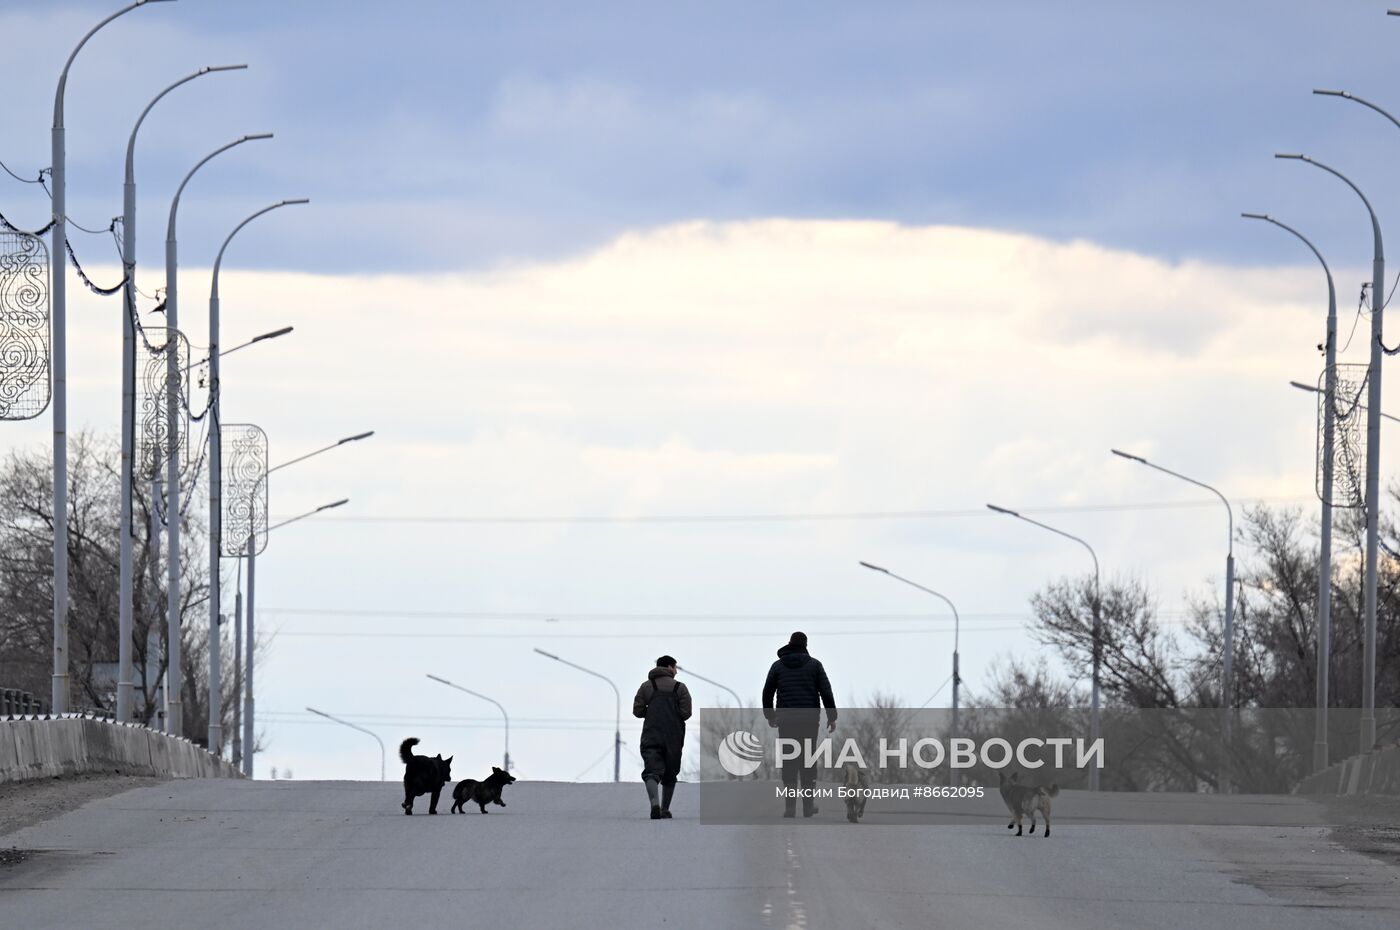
x=790, y=807
x=655, y=800
x=667, y=791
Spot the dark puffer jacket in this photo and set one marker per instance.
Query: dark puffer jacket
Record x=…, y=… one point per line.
x=798, y=680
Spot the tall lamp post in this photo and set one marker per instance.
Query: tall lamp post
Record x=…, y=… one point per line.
x=216, y=486
x=505, y=764
x=347, y=723
x=58, y=264
x=1373, y=447
x=1228, y=671
x=124, y=584
x=251, y=556
x=1097, y=632
x=617, y=733
x=174, y=722
x=1324, y=568
x=957, y=626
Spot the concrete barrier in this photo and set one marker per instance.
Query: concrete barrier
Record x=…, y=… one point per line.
x=40, y=747
x=1375, y=772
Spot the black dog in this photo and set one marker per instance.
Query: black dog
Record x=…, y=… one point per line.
x=422, y=775
x=480, y=793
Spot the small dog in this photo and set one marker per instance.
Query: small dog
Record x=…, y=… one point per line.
x=1024, y=800
x=481, y=793
x=855, y=778
x=422, y=775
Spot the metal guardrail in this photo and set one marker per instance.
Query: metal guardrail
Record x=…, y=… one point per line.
x=16, y=703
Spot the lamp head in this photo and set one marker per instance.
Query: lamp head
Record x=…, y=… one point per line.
x=1256, y=216
x=274, y=334
x=340, y=503
x=547, y=655
x=1332, y=93
x=1312, y=389
x=355, y=438
x=1292, y=155
x=875, y=568
x=1129, y=456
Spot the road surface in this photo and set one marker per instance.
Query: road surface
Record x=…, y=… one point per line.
x=216, y=854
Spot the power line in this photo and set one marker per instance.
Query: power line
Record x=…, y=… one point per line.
x=584, y=520
x=670, y=634
x=622, y=617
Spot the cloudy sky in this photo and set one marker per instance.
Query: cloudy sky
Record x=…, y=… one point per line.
x=600, y=274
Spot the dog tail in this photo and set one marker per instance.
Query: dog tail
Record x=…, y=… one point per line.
x=1053, y=790
x=406, y=748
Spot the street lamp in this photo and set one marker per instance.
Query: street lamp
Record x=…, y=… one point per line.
x=1227, y=684
x=1098, y=638
x=1315, y=390
x=174, y=715
x=956, y=633
x=58, y=260
x=321, y=713
x=506, y=763
x=125, y=581
x=738, y=701
x=251, y=555
x=225, y=353
x=617, y=734
x=252, y=565
x=957, y=625
x=1329, y=421
x=1373, y=444
x=216, y=478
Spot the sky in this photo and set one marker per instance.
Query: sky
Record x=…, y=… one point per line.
x=622, y=262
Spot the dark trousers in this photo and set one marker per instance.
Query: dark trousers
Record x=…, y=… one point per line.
x=804, y=726
x=660, y=763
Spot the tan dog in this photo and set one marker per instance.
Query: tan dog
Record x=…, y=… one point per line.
x=853, y=778
x=1023, y=800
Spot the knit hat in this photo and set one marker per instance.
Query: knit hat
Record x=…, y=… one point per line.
x=798, y=639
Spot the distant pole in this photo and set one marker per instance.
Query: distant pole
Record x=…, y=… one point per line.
x=238, y=675
x=1227, y=684
x=1373, y=444
x=347, y=723
x=506, y=717
x=1097, y=631
x=617, y=733
x=58, y=269
x=1324, y=568
x=124, y=583
x=957, y=626
x=248, y=747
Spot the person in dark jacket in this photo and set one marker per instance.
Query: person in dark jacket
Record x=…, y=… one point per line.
x=800, y=685
x=664, y=704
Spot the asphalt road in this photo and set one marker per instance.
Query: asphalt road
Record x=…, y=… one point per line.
x=214, y=854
